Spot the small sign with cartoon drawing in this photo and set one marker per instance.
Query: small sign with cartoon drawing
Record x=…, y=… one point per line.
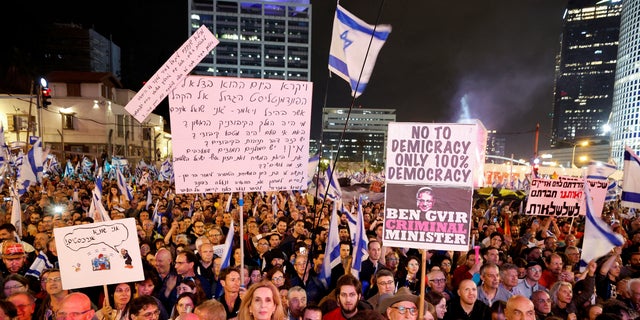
x=99, y=253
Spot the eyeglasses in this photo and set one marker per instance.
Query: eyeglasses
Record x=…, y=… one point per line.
x=151, y=314
x=47, y=280
x=437, y=280
x=403, y=310
x=392, y=259
x=277, y=278
x=385, y=283
x=61, y=315
x=17, y=286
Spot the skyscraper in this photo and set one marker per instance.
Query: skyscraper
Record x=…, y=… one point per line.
x=625, y=129
x=585, y=71
x=266, y=39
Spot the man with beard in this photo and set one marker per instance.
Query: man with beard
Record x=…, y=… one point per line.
x=347, y=292
x=465, y=306
x=552, y=272
x=297, y=301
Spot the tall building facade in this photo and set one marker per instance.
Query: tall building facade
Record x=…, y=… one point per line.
x=265, y=39
x=625, y=117
x=365, y=136
x=585, y=71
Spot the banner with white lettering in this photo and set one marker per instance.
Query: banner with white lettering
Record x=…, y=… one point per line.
x=239, y=135
x=564, y=198
x=427, y=217
x=449, y=154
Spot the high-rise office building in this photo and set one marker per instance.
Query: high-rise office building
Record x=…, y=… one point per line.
x=365, y=136
x=625, y=117
x=265, y=39
x=585, y=71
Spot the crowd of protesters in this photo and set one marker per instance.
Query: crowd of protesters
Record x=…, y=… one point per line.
x=522, y=260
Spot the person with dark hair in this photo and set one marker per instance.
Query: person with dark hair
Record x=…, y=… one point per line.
x=7, y=310
x=370, y=266
x=466, y=270
x=384, y=284
x=344, y=265
x=144, y=307
x=120, y=295
x=497, y=310
x=230, y=298
x=185, y=268
x=438, y=301
x=185, y=303
x=347, y=295
x=312, y=312
x=25, y=303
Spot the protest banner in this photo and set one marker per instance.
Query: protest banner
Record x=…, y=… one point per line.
x=99, y=253
x=427, y=217
x=172, y=72
x=564, y=198
x=240, y=135
x=441, y=154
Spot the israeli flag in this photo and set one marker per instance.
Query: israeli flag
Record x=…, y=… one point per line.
x=354, y=49
x=228, y=248
x=122, y=185
x=331, y=250
x=360, y=249
x=600, y=170
x=631, y=180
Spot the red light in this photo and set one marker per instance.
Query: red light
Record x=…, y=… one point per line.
x=46, y=91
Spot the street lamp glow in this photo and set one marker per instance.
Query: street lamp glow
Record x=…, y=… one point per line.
x=43, y=82
x=573, y=152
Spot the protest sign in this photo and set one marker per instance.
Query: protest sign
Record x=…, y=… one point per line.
x=99, y=253
x=440, y=154
x=564, y=198
x=239, y=135
x=172, y=73
x=427, y=217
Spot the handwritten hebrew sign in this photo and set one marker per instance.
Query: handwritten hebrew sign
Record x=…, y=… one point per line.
x=171, y=73
x=564, y=198
x=99, y=253
x=236, y=135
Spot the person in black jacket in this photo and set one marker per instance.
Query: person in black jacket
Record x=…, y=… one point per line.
x=465, y=306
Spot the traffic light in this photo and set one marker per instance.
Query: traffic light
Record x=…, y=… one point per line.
x=535, y=170
x=46, y=97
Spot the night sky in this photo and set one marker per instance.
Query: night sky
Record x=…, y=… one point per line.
x=491, y=60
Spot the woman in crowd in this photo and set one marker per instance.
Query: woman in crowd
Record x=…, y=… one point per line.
x=261, y=302
x=119, y=297
x=277, y=277
x=409, y=275
x=185, y=304
x=438, y=301
x=191, y=285
x=14, y=283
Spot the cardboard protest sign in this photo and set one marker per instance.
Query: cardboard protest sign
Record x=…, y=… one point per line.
x=198, y=46
x=441, y=154
x=427, y=217
x=239, y=135
x=99, y=253
x=564, y=198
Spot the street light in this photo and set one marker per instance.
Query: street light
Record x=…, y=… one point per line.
x=573, y=153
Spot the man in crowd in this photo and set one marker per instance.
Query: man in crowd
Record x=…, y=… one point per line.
x=490, y=289
x=519, y=308
x=385, y=284
x=400, y=306
x=529, y=284
x=372, y=264
x=232, y=291
x=553, y=270
x=542, y=304
x=297, y=301
x=466, y=305
x=347, y=292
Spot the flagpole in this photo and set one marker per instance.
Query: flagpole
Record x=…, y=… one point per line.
x=422, y=282
x=241, y=205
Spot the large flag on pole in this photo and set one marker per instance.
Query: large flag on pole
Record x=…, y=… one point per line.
x=600, y=170
x=332, y=249
x=96, y=201
x=228, y=248
x=598, y=237
x=360, y=252
x=631, y=180
x=122, y=185
x=16, y=212
x=330, y=185
x=354, y=48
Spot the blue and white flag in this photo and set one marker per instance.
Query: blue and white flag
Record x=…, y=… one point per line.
x=331, y=250
x=360, y=249
x=228, y=248
x=598, y=239
x=68, y=170
x=123, y=186
x=149, y=198
x=39, y=264
x=31, y=168
x=631, y=180
x=354, y=49
x=227, y=207
x=600, y=170
x=16, y=212
x=312, y=168
x=613, y=190
x=96, y=210
x=329, y=186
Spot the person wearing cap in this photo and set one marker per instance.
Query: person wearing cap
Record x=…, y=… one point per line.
x=14, y=258
x=529, y=284
x=401, y=305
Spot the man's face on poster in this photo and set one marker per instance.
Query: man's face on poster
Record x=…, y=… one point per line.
x=425, y=201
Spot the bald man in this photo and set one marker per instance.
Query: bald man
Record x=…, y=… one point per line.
x=77, y=306
x=519, y=308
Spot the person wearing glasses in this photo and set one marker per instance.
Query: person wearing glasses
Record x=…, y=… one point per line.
x=143, y=308
x=75, y=306
x=425, y=199
x=384, y=284
x=52, y=300
x=438, y=283
x=402, y=305
x=529, y=284
x=25, y=303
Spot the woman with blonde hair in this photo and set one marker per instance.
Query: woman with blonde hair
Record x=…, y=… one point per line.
x=261, y=302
